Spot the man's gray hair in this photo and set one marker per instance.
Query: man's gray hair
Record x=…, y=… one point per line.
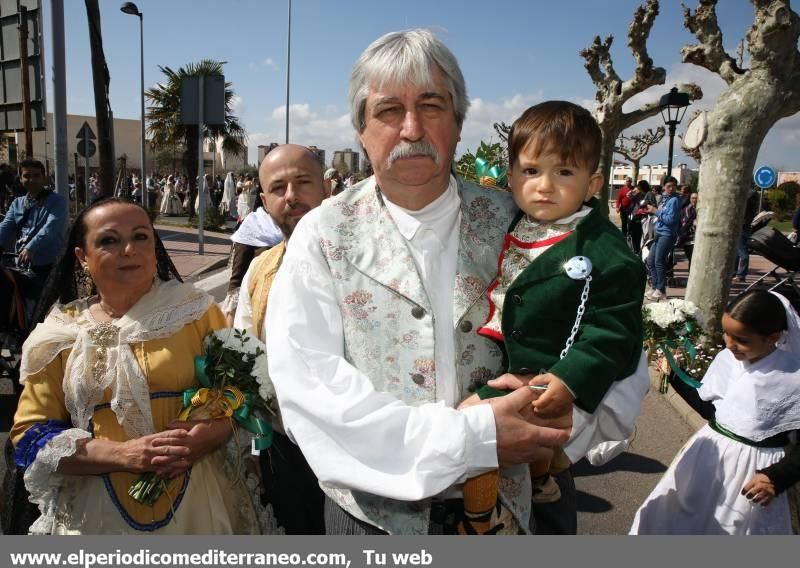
x=405, y=57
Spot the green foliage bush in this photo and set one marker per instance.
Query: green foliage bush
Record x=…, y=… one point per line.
x=781, y=203
x=494, y=154
x=213, y=220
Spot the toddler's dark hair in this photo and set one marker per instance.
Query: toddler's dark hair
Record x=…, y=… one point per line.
x=759, y=310
x=557, y=126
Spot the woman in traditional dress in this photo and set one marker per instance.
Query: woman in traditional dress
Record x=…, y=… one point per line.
x=720, y=482
x=244, y=205
x=170, y=202
x=228, y=204
x=103, y=380
x=203, y=186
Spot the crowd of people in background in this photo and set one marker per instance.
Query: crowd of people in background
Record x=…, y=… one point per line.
x=656, y=220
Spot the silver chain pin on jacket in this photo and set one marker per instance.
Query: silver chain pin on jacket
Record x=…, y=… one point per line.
x=578, y=268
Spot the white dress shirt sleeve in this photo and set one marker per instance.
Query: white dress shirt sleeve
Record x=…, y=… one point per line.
x=614, y=419
x=243, y=319
x=353, y=436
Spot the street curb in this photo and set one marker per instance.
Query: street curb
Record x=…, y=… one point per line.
x=217, y=264
x=694, y=420
x=169, y=226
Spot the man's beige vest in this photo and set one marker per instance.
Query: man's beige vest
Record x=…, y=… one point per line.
x=265, y=266
x=388, y=321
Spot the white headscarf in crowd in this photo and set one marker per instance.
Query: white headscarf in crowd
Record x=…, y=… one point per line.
x=228, y=203
x=258, y=230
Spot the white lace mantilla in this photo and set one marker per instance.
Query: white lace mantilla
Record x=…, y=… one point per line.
x=94, y=366
x=42, y=479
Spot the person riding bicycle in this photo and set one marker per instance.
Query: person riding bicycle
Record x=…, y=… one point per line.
x=34, y=228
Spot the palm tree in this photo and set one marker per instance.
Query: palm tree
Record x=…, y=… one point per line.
x=164, y=118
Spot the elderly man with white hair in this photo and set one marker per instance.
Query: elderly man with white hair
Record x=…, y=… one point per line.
x=371, y=320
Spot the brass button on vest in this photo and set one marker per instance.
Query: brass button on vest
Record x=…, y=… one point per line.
x=418, y=312
x=418, y=379
x=466, y=326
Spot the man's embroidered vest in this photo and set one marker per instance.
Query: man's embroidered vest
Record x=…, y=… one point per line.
x=265, y=266
x=388, y=322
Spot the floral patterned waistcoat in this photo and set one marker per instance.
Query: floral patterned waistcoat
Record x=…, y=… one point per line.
x=388, y=323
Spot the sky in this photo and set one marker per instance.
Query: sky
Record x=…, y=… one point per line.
x=513, y=53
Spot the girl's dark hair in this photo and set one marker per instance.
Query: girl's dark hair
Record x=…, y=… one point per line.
x=760, y=311
x=66, y=277
x=643, y=186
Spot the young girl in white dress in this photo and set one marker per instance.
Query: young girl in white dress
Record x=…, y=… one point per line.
x=717, y=484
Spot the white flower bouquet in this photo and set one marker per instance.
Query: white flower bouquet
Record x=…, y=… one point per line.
x=235, y=385
x=673, y=337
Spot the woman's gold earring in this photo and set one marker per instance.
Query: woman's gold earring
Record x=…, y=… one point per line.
x=88, y=283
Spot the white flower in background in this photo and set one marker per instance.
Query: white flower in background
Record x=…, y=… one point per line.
x=663, y=314
x=672, y=312
x=237, y=340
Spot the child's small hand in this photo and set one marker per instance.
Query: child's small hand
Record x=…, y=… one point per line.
x=556, y=400
x=759, y=490
x=470, y=401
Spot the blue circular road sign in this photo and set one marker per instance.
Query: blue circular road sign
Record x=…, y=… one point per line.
x=765, y=177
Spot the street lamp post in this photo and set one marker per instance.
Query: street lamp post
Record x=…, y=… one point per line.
x=673, y=107
x=288, y=65
x=131, y=9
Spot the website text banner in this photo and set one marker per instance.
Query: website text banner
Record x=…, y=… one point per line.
x=358, y=552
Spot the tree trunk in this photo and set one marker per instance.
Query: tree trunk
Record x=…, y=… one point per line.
x=101, y=79
x=606, y=166
x=635, y=175
x=729, y=155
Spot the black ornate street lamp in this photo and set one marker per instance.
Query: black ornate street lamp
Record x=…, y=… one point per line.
x=673, y=107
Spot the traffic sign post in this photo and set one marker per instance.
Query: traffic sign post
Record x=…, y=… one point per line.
x=203, y=104
x=764, y=177
x=86, y=148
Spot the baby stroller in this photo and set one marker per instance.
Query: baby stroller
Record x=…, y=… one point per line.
x=776, y=248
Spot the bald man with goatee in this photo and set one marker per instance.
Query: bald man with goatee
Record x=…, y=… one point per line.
x=291, y=180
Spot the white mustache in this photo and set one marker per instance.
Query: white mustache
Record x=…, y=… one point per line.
x=409, y=149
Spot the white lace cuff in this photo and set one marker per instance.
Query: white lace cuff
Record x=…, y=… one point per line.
x=231, y=302
x=42, y=479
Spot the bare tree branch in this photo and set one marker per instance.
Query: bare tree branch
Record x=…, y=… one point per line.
x=709, y=53
x=612, y=93
x=599, y=55
x=639, y=30
x=503, y=130
x=630, y=118
x=772, y=43
x=641, y=143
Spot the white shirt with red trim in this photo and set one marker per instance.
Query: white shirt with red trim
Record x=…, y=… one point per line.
x=524, y=244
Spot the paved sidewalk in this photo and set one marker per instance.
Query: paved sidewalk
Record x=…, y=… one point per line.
x=758, y=267
x=181, y=244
